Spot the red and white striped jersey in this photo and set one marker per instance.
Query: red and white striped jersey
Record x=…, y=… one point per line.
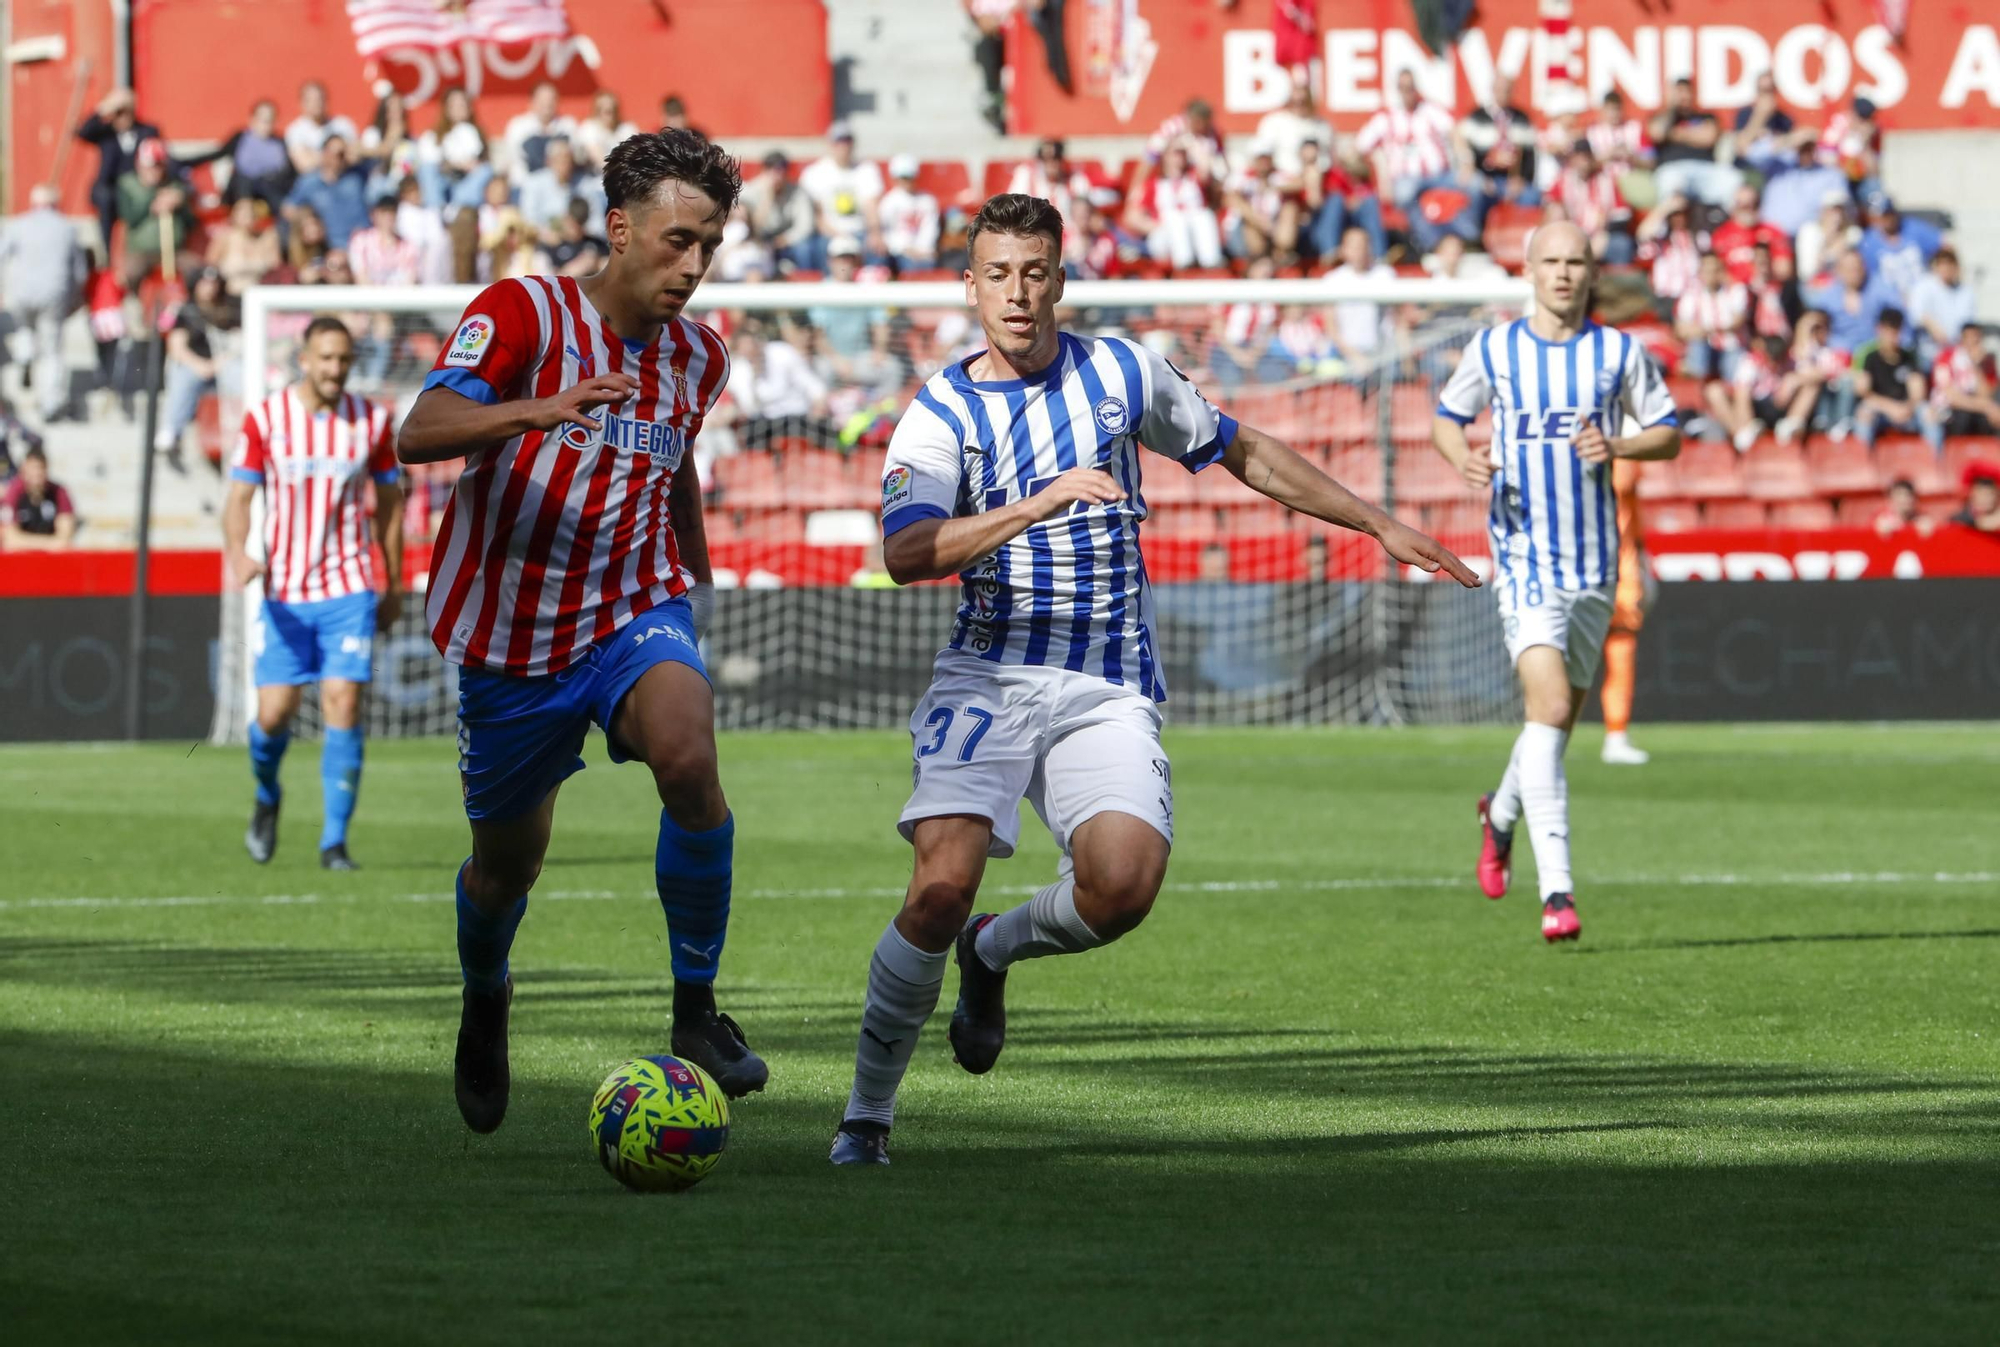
x=1243, y=324
x=384, y=259
x=1592, y=200
x=1676, y=261
x=1961, y=371
x=1719, y=313
x=556, y=539
x=313, y=467
x=1625, y=142
x=1413, y=142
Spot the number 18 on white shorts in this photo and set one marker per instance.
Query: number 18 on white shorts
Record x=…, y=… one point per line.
x=986, y=736
x=1574, y=621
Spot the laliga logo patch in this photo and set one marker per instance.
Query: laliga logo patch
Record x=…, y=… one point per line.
x=895, y=486
x=1112, y=418
x=469, y=343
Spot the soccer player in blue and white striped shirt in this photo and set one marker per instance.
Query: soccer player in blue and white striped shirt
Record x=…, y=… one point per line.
x=1018, y=471
x=1562, y=389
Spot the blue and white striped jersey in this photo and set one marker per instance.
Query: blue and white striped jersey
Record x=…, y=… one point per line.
x=1071, y=591
x=1554, y=519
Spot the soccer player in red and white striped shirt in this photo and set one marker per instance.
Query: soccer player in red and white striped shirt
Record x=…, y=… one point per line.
x=1410, y=140
x=571, y=582
x=313, y=447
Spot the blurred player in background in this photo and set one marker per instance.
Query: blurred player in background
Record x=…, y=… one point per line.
x=1556, y=383
x=1629, y=602
x=572, y=584
x=1017, y=470
x=313, y=447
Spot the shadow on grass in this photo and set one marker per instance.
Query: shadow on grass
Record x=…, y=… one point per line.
x=162, y=1195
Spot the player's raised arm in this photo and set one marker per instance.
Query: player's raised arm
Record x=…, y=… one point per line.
x=1182, y=425
x=471, y=399
x=1272, y=468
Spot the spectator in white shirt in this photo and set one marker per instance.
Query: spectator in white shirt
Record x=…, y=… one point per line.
x=1359, y=324
x=773, y=391
x=424, y=228
x=1619, y=142
x=308, y=131
x=603, y=128
x=909, y=218
x=846, y=192
x=1244, y=344
x=524, y=144
x=1172, y=213
x=1292, y=126
x=547, y=192
x=1940, y=305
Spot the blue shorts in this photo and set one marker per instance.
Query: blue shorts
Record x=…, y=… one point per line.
x=519, y=738
x=305, y=642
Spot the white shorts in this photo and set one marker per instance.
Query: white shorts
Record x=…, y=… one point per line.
x=986, y=736
x=1574, y=621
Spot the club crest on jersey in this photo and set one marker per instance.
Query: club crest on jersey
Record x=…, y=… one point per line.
x=1112, y=417
x=895, y=487
x=469, y=343
x=1607, y=379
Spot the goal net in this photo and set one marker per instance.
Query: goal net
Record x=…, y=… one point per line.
x=1262, y=616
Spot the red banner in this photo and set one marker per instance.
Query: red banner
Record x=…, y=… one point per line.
x=1140, y=60
x=743, y=67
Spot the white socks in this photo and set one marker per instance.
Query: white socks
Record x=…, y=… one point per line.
x=1544, y=792
x=1047, y=923
x=1503, y=811
x=903, y=985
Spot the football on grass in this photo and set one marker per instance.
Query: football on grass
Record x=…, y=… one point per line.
x=659, y=1124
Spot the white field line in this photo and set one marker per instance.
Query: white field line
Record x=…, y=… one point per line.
x=1831, y=879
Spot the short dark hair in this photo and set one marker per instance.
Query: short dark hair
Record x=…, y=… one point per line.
x=1891, y=318
x=36, y=454
x=325, y=322
x=1017, y=214
x=1903, y=484
x=637, y=165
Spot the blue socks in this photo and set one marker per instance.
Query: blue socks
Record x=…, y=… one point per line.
x=484, y=939
x=340, y=783
x=266, y=752
x=693, y=871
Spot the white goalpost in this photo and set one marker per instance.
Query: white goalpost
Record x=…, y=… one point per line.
x=1262, y=617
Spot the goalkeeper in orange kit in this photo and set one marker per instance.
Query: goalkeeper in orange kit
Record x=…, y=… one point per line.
x=1633, y=597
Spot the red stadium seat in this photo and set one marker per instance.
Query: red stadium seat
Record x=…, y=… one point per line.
x=1507, y=230
x=749, y=481
x=1411, y=410
x=999, y=172
x=1358, y=468
x=1260, y=520
x=1899, y=456
x=1659, y=480
x=1424, y=478
x=816, y=479
x=1164, y=483
x=1216, y=486
x=1672, y=516
x=1741, y=515
x=1459, y=525
x=1962, y=453
x=1709, y=471
x=1805, y=515
x=1838, y=467
x=1858, y=512
x=1773, y=471
x=1184, y=521
x=946, y=179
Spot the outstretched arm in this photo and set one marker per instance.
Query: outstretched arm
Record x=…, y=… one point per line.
x=1271, y=468
x=444, y=424
x=931, y=549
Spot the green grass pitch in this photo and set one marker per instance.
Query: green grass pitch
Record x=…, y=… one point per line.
x=1327, y=1093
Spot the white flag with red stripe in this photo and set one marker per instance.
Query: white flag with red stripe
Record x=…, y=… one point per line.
x=380, y=25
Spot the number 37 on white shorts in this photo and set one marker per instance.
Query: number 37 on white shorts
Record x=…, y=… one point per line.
x=987, y=736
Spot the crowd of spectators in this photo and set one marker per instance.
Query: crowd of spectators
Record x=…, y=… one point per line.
x=1785, y=281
